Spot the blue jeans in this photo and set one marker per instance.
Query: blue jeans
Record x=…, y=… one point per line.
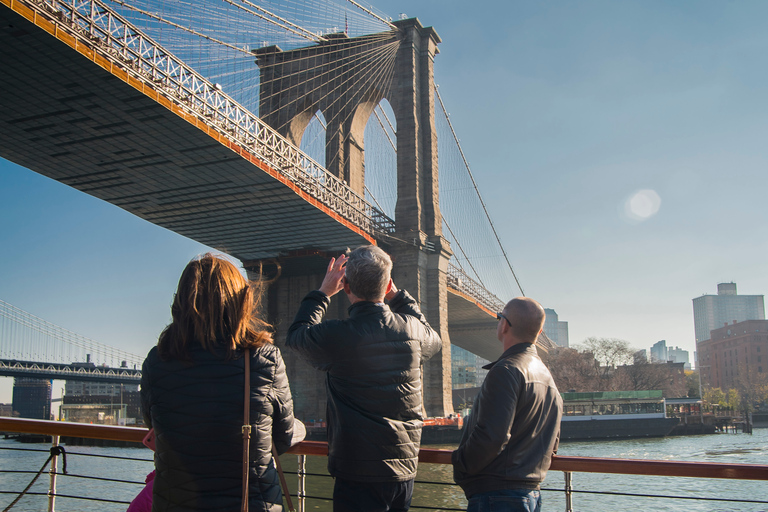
x=506, y=500
x=349, y=496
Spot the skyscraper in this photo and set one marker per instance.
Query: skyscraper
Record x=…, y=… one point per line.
x=714, y=311
x=555, y=330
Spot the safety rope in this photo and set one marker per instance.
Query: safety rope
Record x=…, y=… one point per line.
x=55, y=450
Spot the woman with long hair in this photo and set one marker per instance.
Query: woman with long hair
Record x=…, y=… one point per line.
x=193, y=390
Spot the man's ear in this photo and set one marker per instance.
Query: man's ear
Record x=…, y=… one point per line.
x=389, y=287
x=346, y=285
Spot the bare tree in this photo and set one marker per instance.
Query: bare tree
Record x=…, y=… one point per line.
x=609, y=352
x=573, y=370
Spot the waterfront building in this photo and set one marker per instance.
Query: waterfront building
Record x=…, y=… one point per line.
x=101, y=403
x=555, y=329
x=32, y=398
x=736, y=355
x=466, y=368
x=714, y=311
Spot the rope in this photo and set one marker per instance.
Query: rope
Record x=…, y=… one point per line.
x=55, y=450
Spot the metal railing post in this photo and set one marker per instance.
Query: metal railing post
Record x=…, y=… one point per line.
x=568, y=491
x=301, y=473
x=52, y=473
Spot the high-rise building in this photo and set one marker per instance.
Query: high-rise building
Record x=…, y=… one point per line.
x=659, y=352
x=555, y=330
x=32, y=398
x=714, y=311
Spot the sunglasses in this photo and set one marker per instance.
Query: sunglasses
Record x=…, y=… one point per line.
x=499, y=316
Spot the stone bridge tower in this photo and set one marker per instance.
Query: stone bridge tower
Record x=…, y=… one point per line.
x=345, y=78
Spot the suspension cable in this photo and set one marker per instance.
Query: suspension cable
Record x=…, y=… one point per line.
x=367, y=11
x=474, y=184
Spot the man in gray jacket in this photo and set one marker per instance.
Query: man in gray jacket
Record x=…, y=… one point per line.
x=373, y=362
x=514, y=428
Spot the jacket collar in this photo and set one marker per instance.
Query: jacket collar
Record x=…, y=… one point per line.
x=365, y=307
x=514, y=349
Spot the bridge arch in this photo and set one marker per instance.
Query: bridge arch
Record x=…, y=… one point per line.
x=311, y=138
x=380, y=164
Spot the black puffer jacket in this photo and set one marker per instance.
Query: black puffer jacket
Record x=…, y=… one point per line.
x=373, y=361
x=196, y=409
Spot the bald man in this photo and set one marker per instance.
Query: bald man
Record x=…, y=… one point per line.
x=514, y=428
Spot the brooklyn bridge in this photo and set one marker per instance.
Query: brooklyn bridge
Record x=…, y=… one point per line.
x=269, y=139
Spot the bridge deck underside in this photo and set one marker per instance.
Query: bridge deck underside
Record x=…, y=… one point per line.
x=472, y=327
x=67, y=118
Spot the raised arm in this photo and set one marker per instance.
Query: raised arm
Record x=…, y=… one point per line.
x=402, y=303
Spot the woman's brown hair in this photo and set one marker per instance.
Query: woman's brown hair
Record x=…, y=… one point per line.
x=214, y=307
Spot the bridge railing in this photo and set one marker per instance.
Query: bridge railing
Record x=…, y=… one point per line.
x=568, y=465
x=460, y=281
x=106, y=32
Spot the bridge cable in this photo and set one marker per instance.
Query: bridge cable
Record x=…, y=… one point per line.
x=469, y=262
x=367, y=11
x=181, y=27
x=302, y=32
x=474, y=184
x=369, y=54
x=362, y=65
x=365, y=56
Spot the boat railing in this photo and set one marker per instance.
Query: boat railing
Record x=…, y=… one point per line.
x=567, y=465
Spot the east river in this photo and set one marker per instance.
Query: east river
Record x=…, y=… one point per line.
x=727, y=448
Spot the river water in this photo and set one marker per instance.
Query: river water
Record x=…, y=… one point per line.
x=729, y=448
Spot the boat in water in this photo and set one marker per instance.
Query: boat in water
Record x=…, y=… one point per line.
x=614, y=415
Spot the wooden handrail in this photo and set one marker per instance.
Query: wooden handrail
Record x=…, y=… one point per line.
x=426, y=455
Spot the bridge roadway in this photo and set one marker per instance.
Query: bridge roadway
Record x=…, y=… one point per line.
x=74, y=371
x=76, y=114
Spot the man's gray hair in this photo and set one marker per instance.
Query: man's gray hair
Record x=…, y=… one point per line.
x=368, y=272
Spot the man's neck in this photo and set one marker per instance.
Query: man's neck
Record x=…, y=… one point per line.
x=511, y=342
x=354, y=299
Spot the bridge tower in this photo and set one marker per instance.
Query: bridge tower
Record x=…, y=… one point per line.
x=345, y=78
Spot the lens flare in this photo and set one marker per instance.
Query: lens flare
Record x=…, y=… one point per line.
x=642, y=205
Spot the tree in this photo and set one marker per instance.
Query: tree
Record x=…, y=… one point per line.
x=644, y=375
x=608, y=352
x=573, y=370
x=692, y=383
x=715, y=396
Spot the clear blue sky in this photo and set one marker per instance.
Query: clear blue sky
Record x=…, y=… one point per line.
x=565, y=111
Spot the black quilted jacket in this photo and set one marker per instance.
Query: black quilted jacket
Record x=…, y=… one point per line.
x=196, y=409
x=373, y=360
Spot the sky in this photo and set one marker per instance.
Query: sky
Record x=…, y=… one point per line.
x=620, y=148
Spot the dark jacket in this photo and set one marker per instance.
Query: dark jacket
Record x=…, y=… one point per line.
x=196, y=409
x=514, y=428
x=373, y=360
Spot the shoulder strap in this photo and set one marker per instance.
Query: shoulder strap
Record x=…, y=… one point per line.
x=246, y=429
